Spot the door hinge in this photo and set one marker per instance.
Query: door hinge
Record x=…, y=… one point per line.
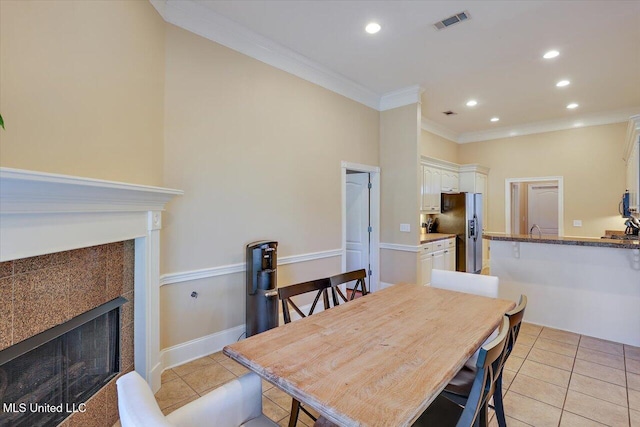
x=369, y=186
x=370, y=229
x=370, y=272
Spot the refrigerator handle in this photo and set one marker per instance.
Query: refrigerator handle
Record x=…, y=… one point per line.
x=473, y=226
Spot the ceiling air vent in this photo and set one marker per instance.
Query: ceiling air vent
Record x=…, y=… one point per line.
x=449, y=113
x=459, y=17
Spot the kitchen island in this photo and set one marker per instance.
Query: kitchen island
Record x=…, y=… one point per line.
x=584, y=285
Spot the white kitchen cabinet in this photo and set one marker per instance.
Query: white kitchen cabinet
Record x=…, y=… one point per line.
x=450, y=254
x=438, y=176
x=438, y=260
x=426, y=263
x=440, y=254
x=632, y=156
x=450, y=182
x=431, y=182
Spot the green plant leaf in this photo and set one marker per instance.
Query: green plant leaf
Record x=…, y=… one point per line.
x=1, y=121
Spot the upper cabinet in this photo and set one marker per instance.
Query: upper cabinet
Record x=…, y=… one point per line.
x=439, y=176
x=431, y=183
x=450, y=182
x=632, y=158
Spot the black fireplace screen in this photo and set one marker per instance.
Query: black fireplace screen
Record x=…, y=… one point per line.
x=46, y=384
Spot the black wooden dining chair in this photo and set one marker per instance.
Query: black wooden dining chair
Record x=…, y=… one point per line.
x=459, y=389
x=444, y=412
x=358, y=276
x=321, y=288
x=515, y=321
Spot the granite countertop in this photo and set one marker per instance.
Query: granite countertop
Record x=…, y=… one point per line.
x=432, y=237
x=575, y=241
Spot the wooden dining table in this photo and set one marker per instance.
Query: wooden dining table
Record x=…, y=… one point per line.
x=378, y=360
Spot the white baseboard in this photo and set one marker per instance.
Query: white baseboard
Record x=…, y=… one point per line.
x=384, y=285
x=186, y=352
x=200, y=347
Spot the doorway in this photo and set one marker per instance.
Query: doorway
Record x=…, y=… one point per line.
x=360, y=220
x=531, y=202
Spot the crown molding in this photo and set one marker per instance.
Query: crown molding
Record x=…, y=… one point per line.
x=438, y=129
x=400, y=98
x=202, y=21
x=595, y=119
x=474, y=167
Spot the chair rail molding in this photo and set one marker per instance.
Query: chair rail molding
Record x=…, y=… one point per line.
x=204, y=273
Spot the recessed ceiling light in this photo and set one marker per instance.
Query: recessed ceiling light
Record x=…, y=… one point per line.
x=563, y=83
x=372, y=27
x=472, y=103
x=551, y=54
x=495, y=119
x=572, y=106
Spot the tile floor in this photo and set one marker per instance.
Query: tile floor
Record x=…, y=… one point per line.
x=553, y=378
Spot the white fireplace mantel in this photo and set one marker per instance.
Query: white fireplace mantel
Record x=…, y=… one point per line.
x=42, y=213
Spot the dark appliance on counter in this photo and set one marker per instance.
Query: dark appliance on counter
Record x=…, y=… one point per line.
x=633, y=226
x=462, y=216
x=623, y=207
x=262, y=293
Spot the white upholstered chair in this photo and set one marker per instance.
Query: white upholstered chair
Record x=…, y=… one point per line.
x=237, y=403
x=477, y=284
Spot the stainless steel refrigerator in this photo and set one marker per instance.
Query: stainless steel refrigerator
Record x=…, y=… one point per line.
x=462, y=216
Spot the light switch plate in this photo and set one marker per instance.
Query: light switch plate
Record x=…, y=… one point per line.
x=405, y=228
x=577, y=223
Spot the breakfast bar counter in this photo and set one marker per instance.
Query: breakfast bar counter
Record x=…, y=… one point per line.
x=583, y=285
x=573, y=241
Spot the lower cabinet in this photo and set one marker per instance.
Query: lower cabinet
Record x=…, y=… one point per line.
x=426, y=264
x=440, y=255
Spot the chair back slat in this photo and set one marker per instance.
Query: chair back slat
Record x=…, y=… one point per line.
x=489, y=366
x=515, y=317
x=320, y=286
x=360, y=278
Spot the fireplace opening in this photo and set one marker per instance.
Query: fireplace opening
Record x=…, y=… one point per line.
x=48, y=377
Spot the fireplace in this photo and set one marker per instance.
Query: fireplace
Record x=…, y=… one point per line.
x=48, y=296
x=70, y=244
x=52, y=375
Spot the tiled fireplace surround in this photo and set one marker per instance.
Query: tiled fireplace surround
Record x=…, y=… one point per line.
x=40, y=292
x=69, y=244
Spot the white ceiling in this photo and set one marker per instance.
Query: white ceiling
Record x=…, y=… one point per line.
x=495, y=57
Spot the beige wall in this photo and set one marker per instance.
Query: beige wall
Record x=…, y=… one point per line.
x=221, y=301
x=82, y=88
x=400, y=175
x=399, y=191
x=432, y=145
x=257, y=152
x=588, y=158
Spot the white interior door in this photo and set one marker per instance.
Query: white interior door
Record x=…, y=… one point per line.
x=543, y=208
x=357, y=233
